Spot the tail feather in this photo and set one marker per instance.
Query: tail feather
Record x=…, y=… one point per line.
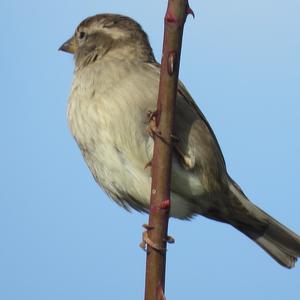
x=276, y=246
x=281, y=256
x=275, y=238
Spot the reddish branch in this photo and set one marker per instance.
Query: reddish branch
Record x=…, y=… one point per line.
x=157, y=228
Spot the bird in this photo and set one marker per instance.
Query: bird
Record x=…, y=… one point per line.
x=115, y=87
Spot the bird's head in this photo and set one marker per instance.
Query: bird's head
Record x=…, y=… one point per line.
x=110, y=35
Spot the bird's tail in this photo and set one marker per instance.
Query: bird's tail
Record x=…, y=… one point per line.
x=276, y=239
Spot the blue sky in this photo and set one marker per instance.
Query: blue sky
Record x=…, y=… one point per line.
x=62, y=238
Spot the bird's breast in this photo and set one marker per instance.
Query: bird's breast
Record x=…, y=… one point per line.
x=107, y=116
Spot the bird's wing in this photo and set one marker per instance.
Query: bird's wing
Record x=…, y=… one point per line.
x=189, y=100
x=197, y=149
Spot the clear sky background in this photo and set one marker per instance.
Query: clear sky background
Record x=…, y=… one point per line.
x=62, y=238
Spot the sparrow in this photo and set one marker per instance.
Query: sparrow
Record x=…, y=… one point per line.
x=115, y=87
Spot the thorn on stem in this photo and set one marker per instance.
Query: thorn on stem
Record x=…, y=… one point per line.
x=170, y=240
x=165, y=204
x=170, y=18
x=189, y=11
x=153, y=209
x=148, y=227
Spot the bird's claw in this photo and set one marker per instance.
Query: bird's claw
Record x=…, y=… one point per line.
x=148, y=164
x=152, y=128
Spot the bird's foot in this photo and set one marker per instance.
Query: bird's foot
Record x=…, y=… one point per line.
x=152, y=128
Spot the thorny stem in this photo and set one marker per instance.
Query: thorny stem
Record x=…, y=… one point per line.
x=175, y=17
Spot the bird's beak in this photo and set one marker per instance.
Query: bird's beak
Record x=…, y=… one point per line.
x=69, y=46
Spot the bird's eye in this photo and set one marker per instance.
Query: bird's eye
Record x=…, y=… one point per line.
x=81, y=35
